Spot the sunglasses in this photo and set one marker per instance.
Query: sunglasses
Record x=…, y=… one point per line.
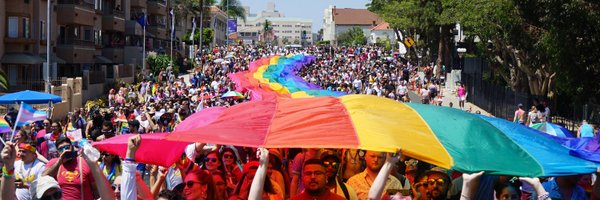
x=63, y=148
x=411, y=162
x=114, y=187
x=439, y=181
x=228, y=156
x=327, y=163
x=55, y=195
x=190, y=184
x=210, y=159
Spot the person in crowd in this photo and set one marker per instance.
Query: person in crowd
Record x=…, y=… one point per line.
x=533, y=116
x=461, y=92
x=519, y=115
x=296, y=184
x=314, y=177
x=213, y=162
x=332, y=161
x=27, y=169
x=565, y=187
x=362, y=182
x=585, y=130
x=241, y=192
x=111, y=166
x=438, y=183
x=72, y=173
x=48, y=148
x=276, y=171
x=199, y=185
x=232, y=169
x=220, y=185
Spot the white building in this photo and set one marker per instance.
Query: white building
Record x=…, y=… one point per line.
x=339, y=20
x=287, y=30
x=382, y=31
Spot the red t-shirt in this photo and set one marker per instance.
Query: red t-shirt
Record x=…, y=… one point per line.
x=326, y=196
x=69, y=179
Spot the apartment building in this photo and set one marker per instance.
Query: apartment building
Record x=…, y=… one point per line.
x=286, y=30
x=94, y=39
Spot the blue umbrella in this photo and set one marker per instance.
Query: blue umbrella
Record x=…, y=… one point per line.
x=552, y=129
x=29, y=97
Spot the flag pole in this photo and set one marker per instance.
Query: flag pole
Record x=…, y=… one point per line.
x=144, y=47
x=172, y=34
x=16, y=122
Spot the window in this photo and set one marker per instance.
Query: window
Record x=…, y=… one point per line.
x=43, y=30
x=26, y=27
x=13, y=27
x=87, y=34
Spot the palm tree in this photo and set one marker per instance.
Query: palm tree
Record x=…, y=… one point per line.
x=267, y=32
x=233, y=8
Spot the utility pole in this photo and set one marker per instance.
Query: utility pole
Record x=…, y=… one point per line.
x=48, y=53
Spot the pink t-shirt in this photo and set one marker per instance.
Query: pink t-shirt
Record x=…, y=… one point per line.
x=461, y=91
x=69, y=179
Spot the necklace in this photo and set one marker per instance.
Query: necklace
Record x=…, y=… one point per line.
x=353, y=158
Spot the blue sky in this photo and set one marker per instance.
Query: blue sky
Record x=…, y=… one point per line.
x=310, y=9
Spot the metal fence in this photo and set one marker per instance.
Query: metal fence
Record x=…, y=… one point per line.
x=498, y=100
x=502, y=102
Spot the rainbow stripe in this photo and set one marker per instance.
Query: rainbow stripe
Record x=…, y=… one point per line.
x=442, y=136
x=4, y=126
x=276, y=77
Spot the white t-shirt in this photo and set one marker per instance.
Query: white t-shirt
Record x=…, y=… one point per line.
x=28, y=173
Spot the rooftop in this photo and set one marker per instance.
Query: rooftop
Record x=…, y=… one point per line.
x=352, y=16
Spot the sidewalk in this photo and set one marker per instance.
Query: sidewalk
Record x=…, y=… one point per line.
x=448, y=96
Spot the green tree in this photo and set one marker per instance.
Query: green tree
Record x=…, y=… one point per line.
x=207, y=37
x=285, y=40
x=233, y=8
x=352, y=37
x=160, y=61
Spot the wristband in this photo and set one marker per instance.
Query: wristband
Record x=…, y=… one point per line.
x=130, y=159
x=8, y=172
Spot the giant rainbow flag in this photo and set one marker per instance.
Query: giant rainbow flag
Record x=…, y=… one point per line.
x=275, y=77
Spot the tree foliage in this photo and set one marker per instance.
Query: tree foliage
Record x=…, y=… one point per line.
x=207, y=37
x=233, y=8
x=542, y=47
x=158, y=62
x=352, y=37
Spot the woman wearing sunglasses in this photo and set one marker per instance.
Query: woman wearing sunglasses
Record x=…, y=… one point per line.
x=213, y=162
x=232, y=171
x=199, y=185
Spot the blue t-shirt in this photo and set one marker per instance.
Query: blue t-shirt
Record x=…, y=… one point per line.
x=587, y=131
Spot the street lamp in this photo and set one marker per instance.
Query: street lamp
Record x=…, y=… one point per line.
x=456, y=72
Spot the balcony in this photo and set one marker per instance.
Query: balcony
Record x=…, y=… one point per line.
x=114, y=54
x=159, y=31
x=76, y=12
x=113, y=20
x=157, y=7
x=138, y=3
x=133, y=28
x=76, y=51
x=17, y=7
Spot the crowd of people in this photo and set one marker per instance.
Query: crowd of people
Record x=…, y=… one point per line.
x=43, y=163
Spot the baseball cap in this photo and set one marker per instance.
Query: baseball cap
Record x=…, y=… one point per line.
x=330, y=154
x=44, y=183
x=438, y=170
